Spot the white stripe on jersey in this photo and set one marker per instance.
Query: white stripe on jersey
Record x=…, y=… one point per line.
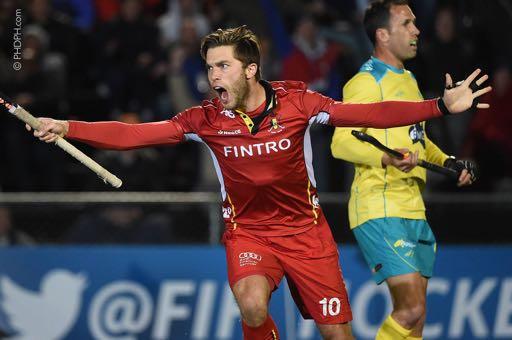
x=321, y=118
x=196, y=138
x=308, y=153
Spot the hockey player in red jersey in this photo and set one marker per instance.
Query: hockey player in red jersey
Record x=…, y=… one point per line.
x=258, y=135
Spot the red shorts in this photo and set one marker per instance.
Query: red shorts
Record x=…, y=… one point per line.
x=309, y=261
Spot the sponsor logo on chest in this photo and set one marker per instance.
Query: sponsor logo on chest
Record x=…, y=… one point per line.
x=257, y=149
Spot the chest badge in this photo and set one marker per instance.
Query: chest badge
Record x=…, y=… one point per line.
x=417, y=134
x=275, y=127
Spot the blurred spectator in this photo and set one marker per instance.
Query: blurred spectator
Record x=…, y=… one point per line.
x=186, y=80
x=312, y=59
x=128, y=59
x=7, y=22
x=270, y=65
x=215, y=10
x=63, y=38
x=108, y=10
x=9, y=236
x=446, y=52
x=489, y=140
x=38, y=86
x=81, y=12
x=171, y=22
x=120, y=225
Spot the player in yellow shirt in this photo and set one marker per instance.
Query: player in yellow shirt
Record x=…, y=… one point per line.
x=386, y=209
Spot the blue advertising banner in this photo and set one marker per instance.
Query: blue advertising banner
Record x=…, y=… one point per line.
x=182, y=293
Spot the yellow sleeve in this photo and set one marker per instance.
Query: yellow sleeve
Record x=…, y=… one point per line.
x=433, y=153
x=362, y=88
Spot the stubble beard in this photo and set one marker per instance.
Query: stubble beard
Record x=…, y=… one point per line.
x=240, y=93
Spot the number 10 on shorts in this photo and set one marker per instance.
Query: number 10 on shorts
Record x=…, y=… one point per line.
x=333, y=306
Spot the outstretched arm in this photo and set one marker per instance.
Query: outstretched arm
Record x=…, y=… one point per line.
x=381, y=115
x=112, y=135
x=389, y=114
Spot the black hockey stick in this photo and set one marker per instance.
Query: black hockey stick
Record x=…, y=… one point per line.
x=398, y=155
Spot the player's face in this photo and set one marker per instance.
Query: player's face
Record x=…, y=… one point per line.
x=403, y=33
x=227, y=77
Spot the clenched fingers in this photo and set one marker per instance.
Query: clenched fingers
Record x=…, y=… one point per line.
x=464, y=178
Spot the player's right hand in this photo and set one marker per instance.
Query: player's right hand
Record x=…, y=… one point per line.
x=405, y=165
x=50, y=129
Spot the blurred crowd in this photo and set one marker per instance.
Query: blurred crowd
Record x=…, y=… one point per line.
x=138, y=61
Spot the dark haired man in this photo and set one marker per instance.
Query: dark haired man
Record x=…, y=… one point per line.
x=386, y=210
x=258, y=135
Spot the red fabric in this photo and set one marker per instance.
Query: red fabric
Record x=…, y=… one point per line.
x=298, y=67
x=309, y=260
x=106, y=10
x=267, y=331
x=267, y=179
x=495, y=124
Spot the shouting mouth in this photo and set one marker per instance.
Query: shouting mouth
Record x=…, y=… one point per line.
x=222, y=93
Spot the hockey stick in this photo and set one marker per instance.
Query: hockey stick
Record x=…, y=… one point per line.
x=396, y=154
x=22, y=114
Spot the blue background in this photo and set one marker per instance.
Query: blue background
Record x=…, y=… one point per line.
x=467, y=278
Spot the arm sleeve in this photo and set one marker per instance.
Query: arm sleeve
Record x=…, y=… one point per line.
x=380, y=115
x=433, y=153
x=122, y=136
x=362, y=88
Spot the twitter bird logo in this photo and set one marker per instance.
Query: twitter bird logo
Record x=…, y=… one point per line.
x=48, y=314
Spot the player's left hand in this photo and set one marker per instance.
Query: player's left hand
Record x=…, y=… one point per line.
x=461, y=97
x=467, y=169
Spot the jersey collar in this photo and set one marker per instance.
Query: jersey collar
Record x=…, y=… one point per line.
x=392, y=68
x=270, y=103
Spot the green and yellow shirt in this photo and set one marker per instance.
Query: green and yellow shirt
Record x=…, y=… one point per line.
x=376, y=191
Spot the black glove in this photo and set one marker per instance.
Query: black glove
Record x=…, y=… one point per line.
x=459, y=165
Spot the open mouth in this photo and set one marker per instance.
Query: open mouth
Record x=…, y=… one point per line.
x=413, y=43
x=222, y=93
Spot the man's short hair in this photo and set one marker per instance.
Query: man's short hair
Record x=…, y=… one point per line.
x=245, y=42
x=377, y=16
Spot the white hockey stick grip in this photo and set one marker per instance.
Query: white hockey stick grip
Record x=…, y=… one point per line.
x=103, y=173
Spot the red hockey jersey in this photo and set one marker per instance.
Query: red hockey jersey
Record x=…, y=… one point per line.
x=264, y=164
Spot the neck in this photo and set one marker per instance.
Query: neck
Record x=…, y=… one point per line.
x=389, y=58
x=255, y=97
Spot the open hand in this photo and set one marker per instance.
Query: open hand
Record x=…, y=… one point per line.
x=460, y=98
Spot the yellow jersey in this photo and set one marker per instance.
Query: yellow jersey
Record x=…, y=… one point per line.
x=376, y=191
